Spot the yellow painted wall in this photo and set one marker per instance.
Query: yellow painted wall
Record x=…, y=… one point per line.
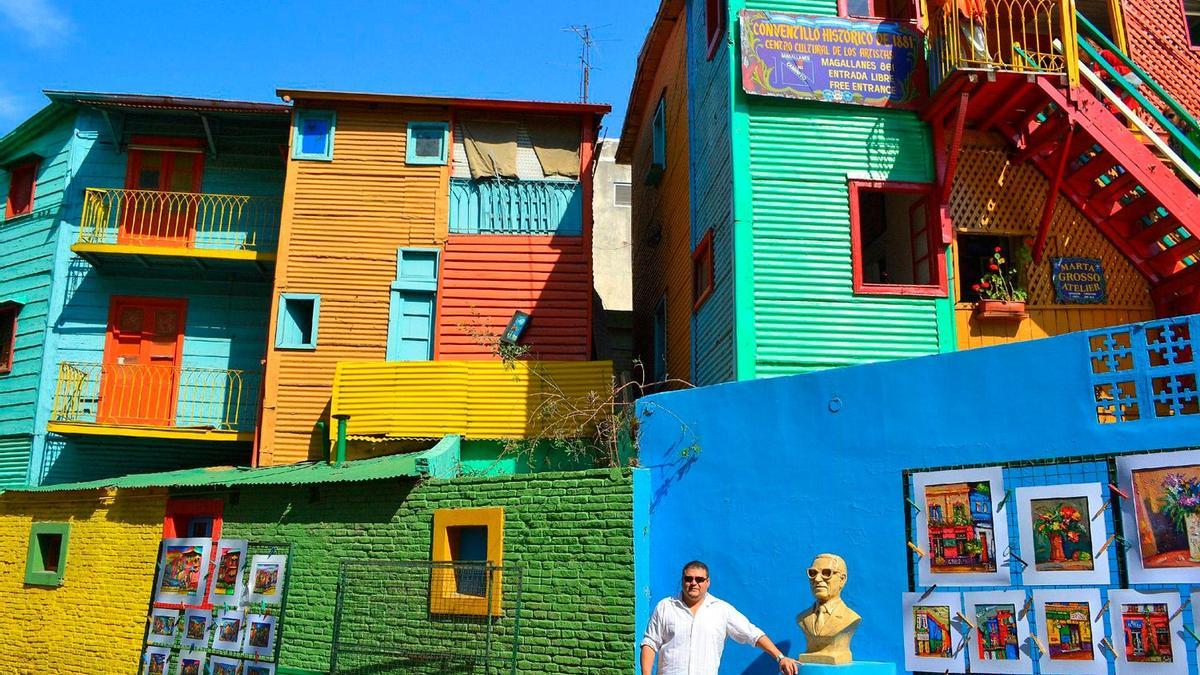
x=94, y=622
x=342, y=223
x=993, y=196
x=661, y=227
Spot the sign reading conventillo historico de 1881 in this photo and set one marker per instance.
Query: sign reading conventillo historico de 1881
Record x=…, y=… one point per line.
x=864, y=62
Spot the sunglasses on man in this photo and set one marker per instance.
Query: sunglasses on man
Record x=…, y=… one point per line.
x=694, y=580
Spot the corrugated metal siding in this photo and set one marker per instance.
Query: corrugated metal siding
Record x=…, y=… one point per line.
x=343, y=221
x=1158, y=42
x=14, y=459
x=806, y=314
x=822, y=7
x=478, y=399
x=713, y=349
x=662, y=258
x=485, y=278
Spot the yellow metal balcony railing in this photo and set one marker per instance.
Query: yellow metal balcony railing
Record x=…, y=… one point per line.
x=1036, y=36
x=477, y=399
x=180, y=220
x=157, y=397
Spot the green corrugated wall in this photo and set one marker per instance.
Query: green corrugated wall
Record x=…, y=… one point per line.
x=14, y=459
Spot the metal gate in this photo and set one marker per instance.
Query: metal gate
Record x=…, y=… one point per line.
x=426, y=618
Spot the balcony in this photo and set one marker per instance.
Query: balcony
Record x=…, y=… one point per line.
x=159, y=229
x=528, y=207
x=155, y=402
x=475, y=399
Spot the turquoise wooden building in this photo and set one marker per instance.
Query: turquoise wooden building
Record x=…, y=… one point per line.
x=138, y=247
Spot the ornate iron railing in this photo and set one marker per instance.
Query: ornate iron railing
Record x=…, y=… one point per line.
x=156, y=396
x=1035, y=36
x=180, y=219
x=499, y=206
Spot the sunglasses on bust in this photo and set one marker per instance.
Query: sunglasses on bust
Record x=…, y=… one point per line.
x=825, y=573
x=694, y=580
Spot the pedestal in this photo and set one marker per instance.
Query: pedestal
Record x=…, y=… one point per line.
x=856, y=668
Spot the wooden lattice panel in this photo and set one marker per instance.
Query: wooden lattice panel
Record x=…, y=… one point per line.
x=1158, y=42
x=993, y=196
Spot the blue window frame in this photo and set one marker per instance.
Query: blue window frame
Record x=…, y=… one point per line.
x=427, y=143
x=413, y=305
x=313, y=134
x=658, y=142
x=298, y=318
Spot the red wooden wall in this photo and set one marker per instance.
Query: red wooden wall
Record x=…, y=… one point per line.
x=1158, y=42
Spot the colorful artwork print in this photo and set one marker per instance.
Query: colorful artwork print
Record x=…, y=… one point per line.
x=1147, y=630
x=260, y=669
x=260, y=635
x=996, y=633
x=933, y=642
x=1062, y=534
x=932, y=628
x=155, y=660
x=227, y=577
x=196, y=628
x=191, y=663
x=960, y=522
x=228, y=631
x=1167, y=502
x=183, y=571
x=221, y=665
x=163, y=623
x=1069, y=631
x=267, y=578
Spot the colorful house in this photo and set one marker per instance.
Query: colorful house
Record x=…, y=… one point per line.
x=1147, y=632
x=795, y=211
x=140, y=237
x=1070, y=630
x=423, y=239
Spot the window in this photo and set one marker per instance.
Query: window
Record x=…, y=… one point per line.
x=715, y=13
x=622, y=194
x=895, y=247
x=413, y=301
x=974, y=254
x=658, y=355
x=427, y=142
x=298, y=319
x=901, y=10
x=8, y=334
x=658, y=143
x=46, y=562
x=193, y=518
x=22, y=183
x=313, y=135
x=702, y=271
x=1191, y=15
x=469, y=544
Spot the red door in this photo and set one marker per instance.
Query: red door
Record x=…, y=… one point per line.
x=161, y=211
x=144, y=346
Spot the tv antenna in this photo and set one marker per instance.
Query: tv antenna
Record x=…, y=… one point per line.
x=585, y=58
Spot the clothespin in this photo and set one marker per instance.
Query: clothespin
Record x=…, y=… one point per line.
x=1114, y=488
x=928, y=591
x=1025, y=608
x=1040, y=646
x=1189, y=630
x=916, y=549
x=965, y=620
x=1111, y=539
x=1103, y=508
x=1181, y=608
x=1102, y=611
x=1108, y=645
x=1016, y=557
x=1000, y=506
x=912, y=504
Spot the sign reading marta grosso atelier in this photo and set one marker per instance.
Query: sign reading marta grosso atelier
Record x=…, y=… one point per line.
x=1078, y=280
x=863, y=62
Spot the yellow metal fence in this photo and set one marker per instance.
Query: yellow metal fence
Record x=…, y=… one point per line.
x=156, y=396
x=478, y=399
x=1032, y=36
x=180, y=219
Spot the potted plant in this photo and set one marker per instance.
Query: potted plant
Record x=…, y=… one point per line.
x=1181, y=503
x=1065, y=521
x=1000, y=292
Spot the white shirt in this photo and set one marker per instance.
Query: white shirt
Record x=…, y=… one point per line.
x=692, y=645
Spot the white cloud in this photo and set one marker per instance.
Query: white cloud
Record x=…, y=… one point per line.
x=41, y=23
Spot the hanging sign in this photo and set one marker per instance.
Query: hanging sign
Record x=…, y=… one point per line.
x=1078, y=280
x=863, y=62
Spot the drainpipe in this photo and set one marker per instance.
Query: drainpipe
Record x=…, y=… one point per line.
x=341, y=438
x=323, y=430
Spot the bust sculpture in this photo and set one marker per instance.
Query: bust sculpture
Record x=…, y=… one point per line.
x=829, y=624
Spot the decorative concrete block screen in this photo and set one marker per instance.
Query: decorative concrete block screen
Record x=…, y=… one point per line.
x=1145, y=371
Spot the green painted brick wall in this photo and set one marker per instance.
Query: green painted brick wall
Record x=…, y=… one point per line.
x=570, y=532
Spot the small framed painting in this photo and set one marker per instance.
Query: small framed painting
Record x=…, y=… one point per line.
x=191, y=663
x=163, y=625
x=958, y=524
x=999, y=640
x=1070, y=626
x=933, y=633
x=195, y=628
x=227, y=585
x=1147, y=632
x=259, y=668
x=227, y=630
x=260, y=635
x=182, y=572
x=223, y=665
x=1161, y=518
x=267, y=578
x=1062, y=530
x=155, y=660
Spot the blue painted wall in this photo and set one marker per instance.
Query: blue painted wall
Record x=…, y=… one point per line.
x=757, y=477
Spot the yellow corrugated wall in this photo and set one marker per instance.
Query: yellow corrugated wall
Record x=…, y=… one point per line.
x=342, y=223
x=94, y=622
x=478, y=399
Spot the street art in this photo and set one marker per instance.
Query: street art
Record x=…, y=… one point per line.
x=932, y=641
x=227, y=587
x=958, y=525
x=1164, y=512
x=1062, y=529
x=1142, y=631
x=162, y=626
x=1147, y=631
x=155, y=660
x=1069, y=622
x=1062, y=534
x=266, y=578
x=996, y=633
x=1069, y=631
x=932, y=626
x=183, y=572
x=195, y=628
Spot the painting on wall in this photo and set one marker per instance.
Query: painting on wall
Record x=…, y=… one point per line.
x=1146, y=638
x=259, y=668
x=932, y=639
x=155, y=660
x=267, y=578
x=163, y=623
x=963, y=536
x=999, y=641
x=227, y=630
x=191, y=663
x=260, y=635
x=195, y=628
x=1061, y=530
x=183, y=571
x=223, y=665
x=1070, y=623
x=227, y=585
x=1163, y=513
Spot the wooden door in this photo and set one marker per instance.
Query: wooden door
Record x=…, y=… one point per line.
x=161, y=210
x=140, y=379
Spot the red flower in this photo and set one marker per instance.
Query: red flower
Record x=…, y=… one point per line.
x=985, y=284
x=1029, y=241
x=993, y=267
x=976, y=288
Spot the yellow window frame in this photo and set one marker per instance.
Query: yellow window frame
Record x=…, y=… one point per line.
x=444, y=597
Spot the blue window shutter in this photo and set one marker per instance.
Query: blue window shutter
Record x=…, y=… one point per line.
x=413, y=305
x=312, y=137
x=296, y=325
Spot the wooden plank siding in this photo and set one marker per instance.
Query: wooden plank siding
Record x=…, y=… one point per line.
x=485, y=278
x=661, y=229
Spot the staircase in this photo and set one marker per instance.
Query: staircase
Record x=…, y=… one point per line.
x=1140, y=196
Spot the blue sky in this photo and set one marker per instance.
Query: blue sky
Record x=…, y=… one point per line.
x=244, y=49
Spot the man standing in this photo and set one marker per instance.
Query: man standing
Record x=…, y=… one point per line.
x=688, y=632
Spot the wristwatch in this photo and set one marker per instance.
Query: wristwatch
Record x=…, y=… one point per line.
x=781, y=657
